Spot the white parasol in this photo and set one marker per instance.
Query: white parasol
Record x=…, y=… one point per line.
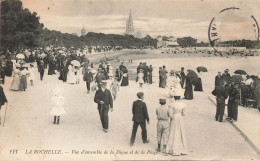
x=75, y=63
x=20, y=56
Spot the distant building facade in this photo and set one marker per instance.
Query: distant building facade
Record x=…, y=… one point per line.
x=165, y=42
x=83, y=31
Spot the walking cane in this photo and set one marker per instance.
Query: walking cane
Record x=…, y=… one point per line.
x=5, y=115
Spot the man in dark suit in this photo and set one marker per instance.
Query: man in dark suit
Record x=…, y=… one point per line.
x=104, y=100
x=140, y=115
x=221, y=95
x=88, y=77
x=218, y=78
x=233, y=102
x=2, y=72
x=163, y=75
x=226, y=76
x=183, y=77
x=3, y=99
x=41, y=70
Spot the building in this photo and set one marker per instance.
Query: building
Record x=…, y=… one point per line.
x=83, y=31
x=130, y=25
x=139, y=34
x=165, y=42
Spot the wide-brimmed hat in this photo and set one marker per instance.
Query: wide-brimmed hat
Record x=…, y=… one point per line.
x=162, y=100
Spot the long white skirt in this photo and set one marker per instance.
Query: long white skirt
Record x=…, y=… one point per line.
x=177, y=144
x=71, y=78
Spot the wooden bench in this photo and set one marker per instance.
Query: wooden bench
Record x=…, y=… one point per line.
x=250, y=102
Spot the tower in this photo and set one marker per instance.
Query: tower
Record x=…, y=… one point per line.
x=129, y=25
x=83, y=31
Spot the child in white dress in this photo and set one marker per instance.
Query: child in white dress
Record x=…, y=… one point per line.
x=57, y=105
x=114, y=87
x=140, y=78
x=31, y=75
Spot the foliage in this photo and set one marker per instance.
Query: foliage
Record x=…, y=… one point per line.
x=187, y=41
x=19, y=27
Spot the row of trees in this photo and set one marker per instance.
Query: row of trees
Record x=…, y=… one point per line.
x=21, y=29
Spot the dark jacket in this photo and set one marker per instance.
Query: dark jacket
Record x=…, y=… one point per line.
x=217, y=80
x=2, y=96
x=234, y=94
x=226, y=77
x=99, y=77
x=88, y=77
x=139, y=110
x=183, y=76
x=220, y=93
x=105, y=96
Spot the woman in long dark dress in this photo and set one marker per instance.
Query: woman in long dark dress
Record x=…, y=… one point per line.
x=188, y=94
x=125, y=80
x=51, y=67
x=198, y=85
x=9, y=68
x=117, y=75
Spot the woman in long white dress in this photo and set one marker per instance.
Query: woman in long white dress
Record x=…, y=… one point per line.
x=71, y=78
x=177, y=144
x=31, y=74
x=77, y=71
x=16, y=80
x=110, y=71
x=175, y=86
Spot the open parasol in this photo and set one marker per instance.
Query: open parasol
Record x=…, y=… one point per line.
x=20, y=56
x=202, y=69
x=75, y=63
x=240, y=72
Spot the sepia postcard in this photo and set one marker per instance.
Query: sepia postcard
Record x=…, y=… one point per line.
x=129, y=80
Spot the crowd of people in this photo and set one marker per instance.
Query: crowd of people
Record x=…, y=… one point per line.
x=170, y=126
x=238, y=89
x=211, y=51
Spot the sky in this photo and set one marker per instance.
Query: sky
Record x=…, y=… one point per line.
x=177, y=18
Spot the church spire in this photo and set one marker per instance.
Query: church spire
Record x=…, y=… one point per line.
x=129, y=24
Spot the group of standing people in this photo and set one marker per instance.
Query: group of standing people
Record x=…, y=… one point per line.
x=144, y=74
x=226, y=88
x=170, y=125
x=21, y=75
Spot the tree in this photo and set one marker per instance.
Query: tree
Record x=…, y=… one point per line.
x=187, y=41
x=19, y=27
